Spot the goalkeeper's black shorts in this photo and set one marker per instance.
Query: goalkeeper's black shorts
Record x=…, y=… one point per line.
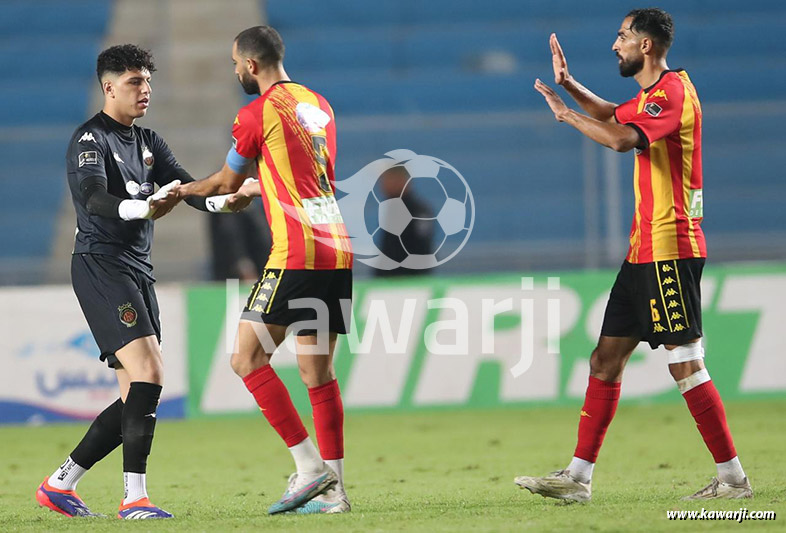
x=118, y=301
x=309, y=300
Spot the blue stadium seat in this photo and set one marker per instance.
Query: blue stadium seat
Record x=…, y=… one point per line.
x=383, y=13
x=47, y=56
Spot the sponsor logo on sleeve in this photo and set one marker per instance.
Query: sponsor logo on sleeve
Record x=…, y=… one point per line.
x=652, y=109
x=88, y=158
x=87, y=136
x=146, y=188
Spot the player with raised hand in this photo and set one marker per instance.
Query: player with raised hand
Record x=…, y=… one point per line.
x=596, y=107
x=289, y=134
x=113, y=166
x=656, y=296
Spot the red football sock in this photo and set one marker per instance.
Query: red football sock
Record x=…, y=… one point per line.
x=273, y=399
x=600, y=404
x=706, y=407
x=328, y=419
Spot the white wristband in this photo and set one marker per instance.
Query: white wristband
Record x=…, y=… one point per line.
x=135, y=210
x=218, y=204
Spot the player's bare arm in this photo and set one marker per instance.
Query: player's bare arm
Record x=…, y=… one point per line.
x=615, y=136
x=225, y=181
x=594, y=105
x=243, y=197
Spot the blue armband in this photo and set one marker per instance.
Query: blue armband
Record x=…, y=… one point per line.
x=237, y=162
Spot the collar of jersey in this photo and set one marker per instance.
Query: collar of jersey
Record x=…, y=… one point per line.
x=648, y=89
x=126, y=132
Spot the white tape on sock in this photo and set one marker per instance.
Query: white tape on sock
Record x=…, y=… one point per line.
x=693, y=381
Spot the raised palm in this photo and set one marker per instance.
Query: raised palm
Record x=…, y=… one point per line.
x=558, y=61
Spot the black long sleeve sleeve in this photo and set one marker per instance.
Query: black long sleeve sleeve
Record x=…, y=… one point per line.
x=98, y=201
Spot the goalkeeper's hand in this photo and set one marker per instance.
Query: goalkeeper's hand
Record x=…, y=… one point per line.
x=165, y=199
x=158, y=205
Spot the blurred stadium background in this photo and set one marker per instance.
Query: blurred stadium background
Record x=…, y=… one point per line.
x=452, y=79
x=448, y=78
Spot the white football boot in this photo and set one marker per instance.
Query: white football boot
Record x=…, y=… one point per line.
x=332, y=501
x=717, y=489
x=558, y=485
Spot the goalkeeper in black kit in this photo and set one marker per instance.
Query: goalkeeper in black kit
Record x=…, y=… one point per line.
x=113, y=169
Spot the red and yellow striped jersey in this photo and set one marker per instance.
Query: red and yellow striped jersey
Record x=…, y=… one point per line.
x=291, y=132
x=667, y=177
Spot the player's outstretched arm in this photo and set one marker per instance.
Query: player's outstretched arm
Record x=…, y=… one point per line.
x=98, y=201
x=225, y=181
x=618, y=137
x=594, y=105
x=165, y=199
x=234, y=202
x=243, y=197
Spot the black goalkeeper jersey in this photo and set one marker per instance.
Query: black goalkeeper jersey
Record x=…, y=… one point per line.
x=132, y=160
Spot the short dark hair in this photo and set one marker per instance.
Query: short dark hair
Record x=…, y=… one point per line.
x=122, y=57
x=262, y=43
x=654, y=22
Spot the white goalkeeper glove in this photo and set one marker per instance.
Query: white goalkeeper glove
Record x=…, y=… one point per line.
x=218, y=204
x=142, y=209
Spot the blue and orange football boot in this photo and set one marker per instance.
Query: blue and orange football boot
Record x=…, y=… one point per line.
x=65, y=502
x=141, y=510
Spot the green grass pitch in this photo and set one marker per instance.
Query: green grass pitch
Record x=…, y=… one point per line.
x=426, y=471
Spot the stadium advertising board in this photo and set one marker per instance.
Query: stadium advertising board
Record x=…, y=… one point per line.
x=50, y=361
x=498, y=340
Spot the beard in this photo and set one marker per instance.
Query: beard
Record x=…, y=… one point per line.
x=249, y=84
x=631, y=67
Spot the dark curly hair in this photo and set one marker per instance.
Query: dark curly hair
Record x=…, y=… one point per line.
x=122, y=57
x=654, y=22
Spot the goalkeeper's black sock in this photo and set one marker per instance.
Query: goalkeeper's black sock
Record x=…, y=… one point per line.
x=138, y=425
x=101, y=438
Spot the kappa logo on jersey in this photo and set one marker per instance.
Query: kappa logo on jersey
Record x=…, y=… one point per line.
x=117, y=158
x=660, y=93
x=147, y=157
x=88, y=158
x=653, y=109
x=87, y=136
x=237, y=121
